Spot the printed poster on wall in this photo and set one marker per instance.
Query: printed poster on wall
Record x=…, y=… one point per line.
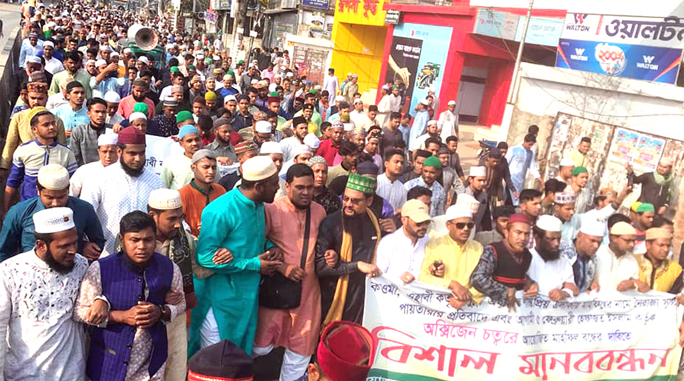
x=620, y=60
x=431, y=60
x=642, y=151
x=403, y=61
x=599, y=336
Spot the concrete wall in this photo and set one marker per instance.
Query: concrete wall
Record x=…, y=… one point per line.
x=8, y=78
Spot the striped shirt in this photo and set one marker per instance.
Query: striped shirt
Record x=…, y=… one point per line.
x=30, y=157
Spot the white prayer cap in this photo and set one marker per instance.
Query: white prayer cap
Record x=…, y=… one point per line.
x=468, y=200
x=340, y=98
x=53, y=220
x=48, y=43
x=33, y=59
x=431, y=122
x=289, y=74
x=349, y=126
x=301, y=149
x=144, y=60
x=564, y=198
x=107, y=139
x=136, y=115
x=254, y=81
x=53, y=177
x=165, y=199
x=270, y=147
x=566, y=162
x=127, y=50
x=666, y=161
x=591, y=226
x=358, y=100
x=100, y=62
x=424, y=102
x=112, y=97
x=312, y=141
x=258, y=168
x=229, y=98
x=549, y=223
x=89, y=61
x=114, y=54
x=451, y=103
x=105, y=47
x=263, y=127
x=458, y=211
x=478, y=171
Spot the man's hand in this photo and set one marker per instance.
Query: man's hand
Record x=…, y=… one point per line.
x=112, y=67
x=98, y=312
x=222, y=256
x=457, y=304
x=67, y=133
x=680, y=299
x=127, y=317
x=407, y=277
x=594, y=287
x=641, y=286
x=369, y=269
x=268, y=267
x=531, y=289
x=293, y=273
x=572, y=287
x=626, y=285
x=91, y=251
x=662, y=210
x=511, y=300
x=224, y=160
x=437, y=269
x=557, y=295
x=276, y=254
x=629, y=168
x=387, y=225
x=147, y=315
x=461, y=292
x=174, y=297
x=116, y=128
x=541, y=183
x=331, y=258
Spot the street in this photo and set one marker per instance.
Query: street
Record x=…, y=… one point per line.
x=9, y=14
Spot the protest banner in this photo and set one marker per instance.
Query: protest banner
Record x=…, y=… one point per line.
x=159, y=148
x=603, y=336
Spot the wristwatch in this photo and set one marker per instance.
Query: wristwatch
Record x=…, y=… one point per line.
x=162, y=308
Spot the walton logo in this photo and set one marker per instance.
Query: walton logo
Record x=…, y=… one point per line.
x=578, y=26
x=648, y=63
x=579, y=55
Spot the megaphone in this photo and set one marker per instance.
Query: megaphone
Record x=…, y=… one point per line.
x=144, y=37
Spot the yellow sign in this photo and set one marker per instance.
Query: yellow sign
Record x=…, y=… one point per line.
x=364, y=12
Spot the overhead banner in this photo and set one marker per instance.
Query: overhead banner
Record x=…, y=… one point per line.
x=607, y=336
x=664, y=32
x=621, y=60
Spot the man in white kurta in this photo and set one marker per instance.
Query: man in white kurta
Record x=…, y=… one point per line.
x=106, y=150
x=552, y=273
x=616, y=267
x=521, y=158
x=448, y=122
x=122, y=187
x=36, y=307
x=400, y=254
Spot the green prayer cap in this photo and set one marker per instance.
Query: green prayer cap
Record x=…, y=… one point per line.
x=183, y=116
x=274, y=94
x=230, y=72
x=141, y=107
x=432, y=161
x=191, y=67
x=363, y=184
x=174, y=69
x=313, y=91
x=241, y=62
x=645, y=207
x=577, y=170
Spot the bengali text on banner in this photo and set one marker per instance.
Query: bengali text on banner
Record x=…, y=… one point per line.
x=604, y=336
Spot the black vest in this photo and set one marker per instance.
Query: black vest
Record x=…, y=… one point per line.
x=510, y=268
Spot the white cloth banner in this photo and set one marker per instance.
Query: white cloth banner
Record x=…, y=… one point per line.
x=159, y=148
x=604, y=336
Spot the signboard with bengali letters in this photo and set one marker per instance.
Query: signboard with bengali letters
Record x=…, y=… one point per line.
x=364, y=12
x=604, y=336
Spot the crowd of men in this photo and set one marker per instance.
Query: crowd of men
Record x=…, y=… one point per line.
x=260, y=232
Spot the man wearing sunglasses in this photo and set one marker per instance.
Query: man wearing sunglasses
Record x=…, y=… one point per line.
x=451, y=258
x=502, y=270
x=552, y=273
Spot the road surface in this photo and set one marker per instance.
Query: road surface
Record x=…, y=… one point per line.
x=10, y=14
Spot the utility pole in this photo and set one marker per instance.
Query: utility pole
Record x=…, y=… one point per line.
x=513, y=89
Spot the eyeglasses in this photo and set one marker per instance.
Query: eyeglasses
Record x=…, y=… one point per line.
x=463, y=225
x=354, y=201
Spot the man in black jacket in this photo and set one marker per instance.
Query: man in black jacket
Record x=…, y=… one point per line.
x=655, y=186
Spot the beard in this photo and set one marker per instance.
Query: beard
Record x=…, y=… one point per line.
x=548, y=255
x=130, y=171
x=138, y=99
x=52, y=262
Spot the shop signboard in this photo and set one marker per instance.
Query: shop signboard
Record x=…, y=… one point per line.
x=364, y=12
x=392, y=17
x=542, y=31
x=663, y=32
x=321, y=4
x=648, y=63
x=418, y=58
x=496, y=24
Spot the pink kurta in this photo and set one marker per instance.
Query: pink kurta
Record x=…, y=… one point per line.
x=296, y=329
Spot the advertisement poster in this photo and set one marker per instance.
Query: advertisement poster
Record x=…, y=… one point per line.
x=403, y=61
x=641, y=150
x=664, y=32
x=621, y=60
x=431, y=59
x=598, y=336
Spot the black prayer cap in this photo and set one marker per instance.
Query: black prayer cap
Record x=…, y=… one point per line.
x=223, y=360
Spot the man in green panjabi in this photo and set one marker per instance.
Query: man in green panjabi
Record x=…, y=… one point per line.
x=227, y=302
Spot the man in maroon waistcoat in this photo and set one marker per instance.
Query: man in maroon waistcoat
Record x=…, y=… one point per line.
x=132, y=343
x=503, y=266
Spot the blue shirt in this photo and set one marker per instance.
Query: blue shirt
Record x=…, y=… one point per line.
x=70, y=117
x=17, y=231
